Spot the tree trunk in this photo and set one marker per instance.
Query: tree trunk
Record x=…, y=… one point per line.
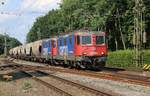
x=116, y=43
x=122, y=38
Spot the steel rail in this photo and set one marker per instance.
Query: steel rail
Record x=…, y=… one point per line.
x=121, y=77
x=83, y=87
x=111, y=75
x=47, y=84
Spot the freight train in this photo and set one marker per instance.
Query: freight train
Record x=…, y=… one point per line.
x=80, y=49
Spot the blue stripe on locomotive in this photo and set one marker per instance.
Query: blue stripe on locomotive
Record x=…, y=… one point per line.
x=70, y=44
x=46, y=47
x=67, y=49
x=61, y=46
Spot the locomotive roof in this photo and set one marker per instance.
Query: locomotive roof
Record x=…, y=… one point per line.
x=65, y=35
x=90, y=32
x=81, y=32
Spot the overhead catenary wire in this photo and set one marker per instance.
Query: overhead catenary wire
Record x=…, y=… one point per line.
x=18, y=13
x=21, y=13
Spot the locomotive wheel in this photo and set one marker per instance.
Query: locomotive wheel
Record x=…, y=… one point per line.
x=80, y=65
x=52, y=62
x=100, y=65
x=70, y=65
x=65, y=64
x=103, y=64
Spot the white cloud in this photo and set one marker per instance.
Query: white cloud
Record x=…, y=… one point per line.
x=3, y=18
x=18, y=26
x=39, y=5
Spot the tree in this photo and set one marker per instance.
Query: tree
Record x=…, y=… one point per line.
x=11, y=43
x=112, y=16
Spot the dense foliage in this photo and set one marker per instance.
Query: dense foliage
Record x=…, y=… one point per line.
x=115, y=17
x=11, y=43
x=123, y=59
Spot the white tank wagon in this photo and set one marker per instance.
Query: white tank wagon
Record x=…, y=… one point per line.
x=28, y=49
x=37, y=49
x=11, y=52
x=22, y=50
x=19, y=50
x=15, y=52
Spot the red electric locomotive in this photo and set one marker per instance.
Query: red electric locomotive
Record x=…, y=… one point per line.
x=90, y=49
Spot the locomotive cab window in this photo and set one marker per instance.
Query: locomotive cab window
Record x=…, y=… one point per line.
x=65, y=41
x=53, y=43
x=78, y=40
x=86, y=40
x=100, y=39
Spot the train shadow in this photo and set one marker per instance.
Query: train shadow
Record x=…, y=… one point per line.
x=113, y=69
x=106, y=69
x=95, y=69
x=18, y=75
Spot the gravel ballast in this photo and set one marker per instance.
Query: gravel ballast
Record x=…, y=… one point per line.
x=25, y=87
x=124, y=89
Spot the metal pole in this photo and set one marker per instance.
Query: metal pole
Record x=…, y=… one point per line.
x=5, y=49
x=5, y=39
x=138, y=33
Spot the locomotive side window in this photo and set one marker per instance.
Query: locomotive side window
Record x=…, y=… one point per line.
x=78, y=40
x=60, y=42
x=54, y=44
x=70, y=39
x=100, y=39
x=86, y=40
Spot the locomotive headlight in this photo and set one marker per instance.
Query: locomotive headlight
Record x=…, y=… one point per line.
x=84, y=53
x=102, y=53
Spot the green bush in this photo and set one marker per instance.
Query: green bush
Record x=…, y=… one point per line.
x=124, y=59
x=26, y=86
x=146, y=56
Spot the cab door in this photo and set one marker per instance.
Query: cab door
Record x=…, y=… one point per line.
x=77, y=46
x=70, y=44
x=54, y=47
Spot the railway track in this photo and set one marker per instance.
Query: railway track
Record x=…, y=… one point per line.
x=127, y=78
x=15, y=67
x=47, y=84
x=82, y=88
x=110, y=75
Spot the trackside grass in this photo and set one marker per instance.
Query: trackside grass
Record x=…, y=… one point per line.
x=124, y=59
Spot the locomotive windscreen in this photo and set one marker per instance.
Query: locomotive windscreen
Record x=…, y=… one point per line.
x=86, y=40
x=100, y=39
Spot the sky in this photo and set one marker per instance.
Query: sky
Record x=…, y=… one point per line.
x=18, y=16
